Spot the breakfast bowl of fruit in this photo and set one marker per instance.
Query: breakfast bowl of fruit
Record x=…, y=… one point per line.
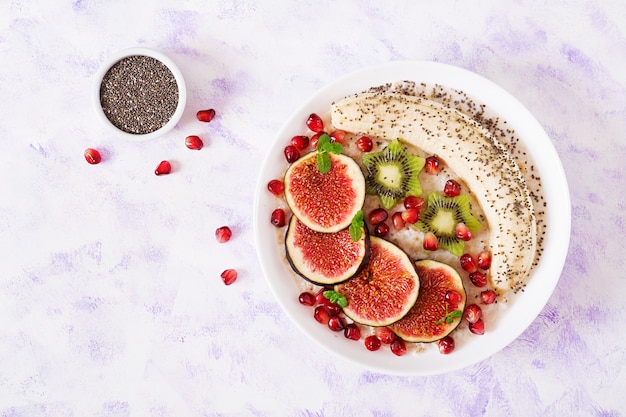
x=412, y=218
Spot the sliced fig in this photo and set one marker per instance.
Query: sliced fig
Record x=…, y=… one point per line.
x=433, y=316
x=325, y=258
x=385, y=290
x=325, y=202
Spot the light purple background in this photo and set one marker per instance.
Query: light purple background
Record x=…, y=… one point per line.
x=111, y=303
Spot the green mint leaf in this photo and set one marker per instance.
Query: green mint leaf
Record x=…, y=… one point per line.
x=323, y=162
x=441, y=320
x=456, y=314
x=450, y=316
x=356, y=226
x=322, y=142
x=335, y=297
x=334, y=147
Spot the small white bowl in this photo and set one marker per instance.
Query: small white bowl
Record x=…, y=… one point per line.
x=140, y=51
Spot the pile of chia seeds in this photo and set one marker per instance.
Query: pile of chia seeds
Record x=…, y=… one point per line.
x=139, y=94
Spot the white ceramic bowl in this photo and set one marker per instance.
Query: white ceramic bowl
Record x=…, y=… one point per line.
x=164, y=59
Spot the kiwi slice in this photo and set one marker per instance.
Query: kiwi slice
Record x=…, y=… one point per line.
x=392, y=174
x=441, y=216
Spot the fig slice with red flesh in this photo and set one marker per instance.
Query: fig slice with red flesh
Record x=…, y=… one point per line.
x=325, y=202
x=433, y=316
x=325, y=258
x=385, y=290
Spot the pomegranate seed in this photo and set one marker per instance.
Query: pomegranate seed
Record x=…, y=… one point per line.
x=338, y=136
x=452, y=188
x=397, y=220
x=333, y=309
x=315, y=123
x=381, y=230
x=472, y=313
x=301, y=142
x=411, y=215
x=488, y=296
x=364, y=144
x=378, y=215
x=484, y=260
x=414, y=202
x=463, y=232
x=336, y=324
x=432, y=165
x=352, y=332
x=92, y=156
x=307, y=299
x=223, y=234
x=163, y=168
x=229, y=276
x=453, y=297
x=398, y=347
x=194, y=142
x=315, y=138
x=321, y=314
x=446, y=345
x=278, y=217
x=319, y=296
x=477, y=327
x=430, y=241
x=467, y=262
x=478, y=279
x=384, y=334
x=205, y=115
x=276, y=187
x=291, y=153
x=372, y=343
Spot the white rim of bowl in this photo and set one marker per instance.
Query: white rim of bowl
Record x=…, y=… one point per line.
x=165, y=60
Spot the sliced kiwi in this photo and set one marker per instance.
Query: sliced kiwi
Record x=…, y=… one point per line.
x=393, y=174
x=441, y=216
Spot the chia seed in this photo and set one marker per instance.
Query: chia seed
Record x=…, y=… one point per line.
x=139, y=94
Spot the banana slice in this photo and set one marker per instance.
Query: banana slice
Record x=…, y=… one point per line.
x=473, y=153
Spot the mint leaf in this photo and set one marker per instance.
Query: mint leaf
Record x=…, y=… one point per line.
x=450, y=316
x=356, y=226
x=322, y=142
x=323, y=162
x=335, y=297
x=334, y=147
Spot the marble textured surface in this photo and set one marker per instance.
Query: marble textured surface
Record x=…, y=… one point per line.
x=111, y=303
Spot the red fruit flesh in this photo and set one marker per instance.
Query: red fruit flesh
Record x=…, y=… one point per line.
x=452, y=188
x=372, y=343
x=430, y=241
x=446, y=345
x=364, y=144
x=463, y=232
x=223, y=234
x=338, y=136
x=385, y=334
x=398, y=347
x=472, y=313
x=276, y=187
x=291, y=153
x=398, y=221
x=205, y=115
x=301, y=142
x=194, y=142
x=278, y=217
x=321, y=314
x=432, y=165
x=306, y=298
x=336, y=324
x=477, y=327
x=488, y=296
x=478, y=279
x=315, y=123
x=315, y=138
x=378, y=215
x=467, y=262
x=411, y=215
x=484, y=260
x=414, y=202
x=229, y=276
x=92, y=156
x=454, y=298
x=381, y=230
x=163, y=168
x=352, y=332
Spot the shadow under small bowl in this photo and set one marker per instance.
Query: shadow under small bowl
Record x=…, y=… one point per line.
x=139, y=93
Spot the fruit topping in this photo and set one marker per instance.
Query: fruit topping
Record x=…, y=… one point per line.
x=92, y=156
x=194, y=142
x=325, y=202
x=352, y=331
x=478, y=279
x=378, y=215
x=163, y=168
x=467, y=262
x=385, y=334
x=306, y=298
x=462, y=232
x=386, y=288
x=315, y=123
x=276, y=187
x=398, y=221
x=478, y=327
x=472, y=313
x=364, y=144
x=223, y=234
x=398, y=347
x=431, y=242
x=336, y=324
x=381, y=230
x=392, y=174
x=301, y=142
x=338, y=136
x=278, y=217
x=434, y=314
x=321, y=314
x=432, y=165
x=446, y=345
x=452, y=188
x=372, y=343
x=484, y=260
x=324, y=258
x=205, y=115
x=411, y=215
x=291, y=153
x=229, y=276
x=414, y=202
x=488, y=296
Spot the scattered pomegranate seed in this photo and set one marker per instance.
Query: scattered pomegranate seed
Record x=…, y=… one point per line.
x=92, y=156
x=278, y=217
x=301, y=142
x=488, y=296
x=291, y=153
x=336, y=324
x=372, y=343
x=484, y=260
x=338, y=136
x=398, y=347
x=319, y=296
x=205, y=115
x=364, y=144
x=229, y=276
x=411, y=215
x=315, y=123
x=472, y=313
x=163, y=168
x=432, y=165
x=378, y=215
x=430, y=241
x=397, y=220
x=477, y=327
x=315, y=138
x=223, y=234
x=467, y=262
x=276, y=187
x=333, y=309
x=306, y=298
x=381, y=230
x=452, y=188
x=478, y=279
x=194, y=142
x=446, y=345
x=453, y=297
x=352, y=332
x=385, y=334
x=415, y=202
x=463, y=232
x=321, y=314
